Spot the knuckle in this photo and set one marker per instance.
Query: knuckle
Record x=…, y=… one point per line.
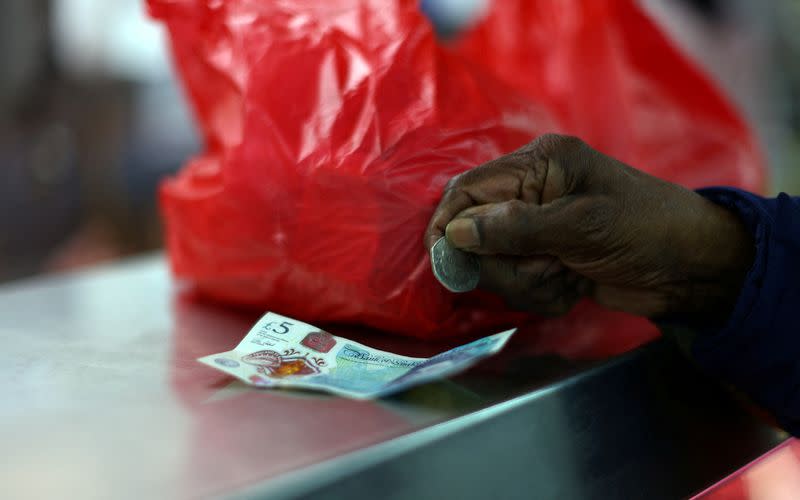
x=533, y=292
x=475, y=176
x=514, y=210
x=529, y=292
x=547, y=292
x=567, y=153
x=556, y=144
x=454, y=183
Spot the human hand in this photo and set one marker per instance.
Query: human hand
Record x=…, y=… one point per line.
x=556, y=221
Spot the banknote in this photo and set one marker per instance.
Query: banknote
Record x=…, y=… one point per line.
x=283, y=352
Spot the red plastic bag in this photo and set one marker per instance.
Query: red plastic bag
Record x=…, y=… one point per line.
x=331, y=128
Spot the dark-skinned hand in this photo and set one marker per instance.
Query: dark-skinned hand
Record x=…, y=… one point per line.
x=556, y=221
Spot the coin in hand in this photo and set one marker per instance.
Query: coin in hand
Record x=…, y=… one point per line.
x=457, y=270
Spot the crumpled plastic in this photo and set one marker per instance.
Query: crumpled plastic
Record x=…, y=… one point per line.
x=331, y=128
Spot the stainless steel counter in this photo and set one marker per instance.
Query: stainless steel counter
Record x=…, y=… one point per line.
x=101, y=397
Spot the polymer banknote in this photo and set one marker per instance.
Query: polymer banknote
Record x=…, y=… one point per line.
x=283, y=352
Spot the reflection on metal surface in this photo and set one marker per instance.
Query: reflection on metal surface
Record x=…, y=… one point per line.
x=101, y=366
x=100, y=395
x=646, y=425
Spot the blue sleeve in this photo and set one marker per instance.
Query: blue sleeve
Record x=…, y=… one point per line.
x=758, y=350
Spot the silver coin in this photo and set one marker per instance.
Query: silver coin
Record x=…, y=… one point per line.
x=457, y=270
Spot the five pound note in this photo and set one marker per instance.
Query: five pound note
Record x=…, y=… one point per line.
x=283, y=352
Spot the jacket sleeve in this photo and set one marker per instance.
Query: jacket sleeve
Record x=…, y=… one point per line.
x=758, y=350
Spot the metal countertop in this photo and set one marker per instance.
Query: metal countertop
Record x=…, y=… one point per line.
x=101, y=397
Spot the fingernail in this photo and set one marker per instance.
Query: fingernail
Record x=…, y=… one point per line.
x=463, y=233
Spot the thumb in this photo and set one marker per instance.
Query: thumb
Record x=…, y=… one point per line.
x=516, y=228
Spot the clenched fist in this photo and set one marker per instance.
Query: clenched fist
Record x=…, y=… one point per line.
x=556, y=221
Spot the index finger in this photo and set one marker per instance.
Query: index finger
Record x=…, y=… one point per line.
x=453, y=202
x=496, y=181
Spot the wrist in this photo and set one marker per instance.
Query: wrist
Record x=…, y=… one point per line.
x=717, y=262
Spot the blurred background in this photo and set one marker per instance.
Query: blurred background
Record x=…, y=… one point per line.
x=91, y=117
